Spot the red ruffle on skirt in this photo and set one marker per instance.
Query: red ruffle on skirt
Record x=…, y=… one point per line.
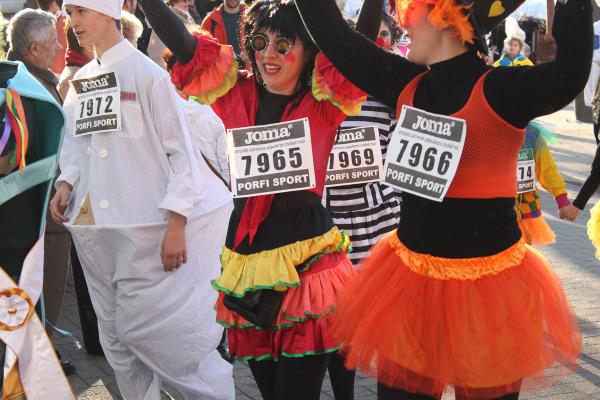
x=302, y=327
x=501, y=319
x=536, y=231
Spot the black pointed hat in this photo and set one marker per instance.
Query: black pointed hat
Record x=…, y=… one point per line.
x=484, y=15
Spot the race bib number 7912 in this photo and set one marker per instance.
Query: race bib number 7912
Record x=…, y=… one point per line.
x=270, y=158
x=97, y=104
x=424, y=153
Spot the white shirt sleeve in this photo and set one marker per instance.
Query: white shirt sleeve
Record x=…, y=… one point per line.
x=184, y=189
x=208, y=130
x=222, y=156
x=72, y=149
x=596, y=53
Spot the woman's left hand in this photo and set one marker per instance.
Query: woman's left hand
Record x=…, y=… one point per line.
x=173, y=251
x=569, y=212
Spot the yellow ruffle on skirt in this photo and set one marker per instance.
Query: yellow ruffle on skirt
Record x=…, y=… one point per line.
x=276, y=268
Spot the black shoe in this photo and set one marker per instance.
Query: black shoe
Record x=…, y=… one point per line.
x=68, y=367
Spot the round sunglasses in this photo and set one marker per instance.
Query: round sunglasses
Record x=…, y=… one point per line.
x=260, y=43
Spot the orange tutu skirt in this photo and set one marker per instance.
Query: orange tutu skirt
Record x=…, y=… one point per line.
x=418, y=322
x=304, y=321
x=536, y=231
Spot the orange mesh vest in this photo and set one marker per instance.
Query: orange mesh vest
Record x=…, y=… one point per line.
x=488, y=164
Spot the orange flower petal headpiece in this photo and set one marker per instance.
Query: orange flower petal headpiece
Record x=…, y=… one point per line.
x=444, y=14
x=470, y=20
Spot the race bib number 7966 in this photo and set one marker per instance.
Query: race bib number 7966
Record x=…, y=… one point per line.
x=424, y=153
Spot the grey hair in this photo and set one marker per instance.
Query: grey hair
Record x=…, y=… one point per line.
x=28, y=26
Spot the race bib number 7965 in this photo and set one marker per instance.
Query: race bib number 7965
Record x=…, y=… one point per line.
x=270, y=158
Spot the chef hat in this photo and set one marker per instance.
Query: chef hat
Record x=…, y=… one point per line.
x=112, y=8
x=513, y=32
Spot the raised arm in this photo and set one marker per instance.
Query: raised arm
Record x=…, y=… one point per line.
x=170, y=29
x=590, y=185
x=369, y=18
x=377, y=72
x=520, y=94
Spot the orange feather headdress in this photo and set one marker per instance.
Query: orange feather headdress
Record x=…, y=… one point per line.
x=470, y=20
x=444, y=14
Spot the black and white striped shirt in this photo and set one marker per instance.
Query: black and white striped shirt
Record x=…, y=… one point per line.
x=364, y=196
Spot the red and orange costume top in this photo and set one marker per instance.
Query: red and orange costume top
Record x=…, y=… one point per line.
x=286, y=242
x=455, y=296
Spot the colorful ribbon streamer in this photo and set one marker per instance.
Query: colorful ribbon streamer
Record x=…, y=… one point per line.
x=5, y=134
x=14, y=119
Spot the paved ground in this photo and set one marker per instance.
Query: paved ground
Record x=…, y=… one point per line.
x=572, y=257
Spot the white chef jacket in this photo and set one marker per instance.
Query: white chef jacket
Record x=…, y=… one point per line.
x=134, y=175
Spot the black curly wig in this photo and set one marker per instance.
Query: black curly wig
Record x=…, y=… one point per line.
x=280, y=16
x=395, y=30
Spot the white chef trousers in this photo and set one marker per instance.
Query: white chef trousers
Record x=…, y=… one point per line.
x=158, y=326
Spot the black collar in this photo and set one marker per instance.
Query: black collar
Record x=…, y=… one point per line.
x=457, y=68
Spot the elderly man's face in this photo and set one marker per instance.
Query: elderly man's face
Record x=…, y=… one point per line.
x=42, y=53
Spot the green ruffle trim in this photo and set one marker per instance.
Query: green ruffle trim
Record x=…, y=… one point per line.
x=220, y=288
x=293, y=321
x=344, y=246
x=288, y=355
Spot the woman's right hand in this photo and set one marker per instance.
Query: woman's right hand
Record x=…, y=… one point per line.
x=59, y=202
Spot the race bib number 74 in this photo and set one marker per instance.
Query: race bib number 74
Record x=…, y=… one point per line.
x=526, y=171
x=97, y=105
x=424, y=153
x=270, y=158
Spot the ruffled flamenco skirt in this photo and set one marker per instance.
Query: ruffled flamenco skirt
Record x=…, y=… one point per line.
x=304, y=320
x=536, y=231
x=419, y=323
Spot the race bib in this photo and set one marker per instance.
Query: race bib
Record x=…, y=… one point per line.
x=355, y=157
x=424, y=153
x=97, y=105
x=526, y=171
x=271, y=158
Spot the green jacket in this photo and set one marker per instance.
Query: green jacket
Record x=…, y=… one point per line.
x=24, y=195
